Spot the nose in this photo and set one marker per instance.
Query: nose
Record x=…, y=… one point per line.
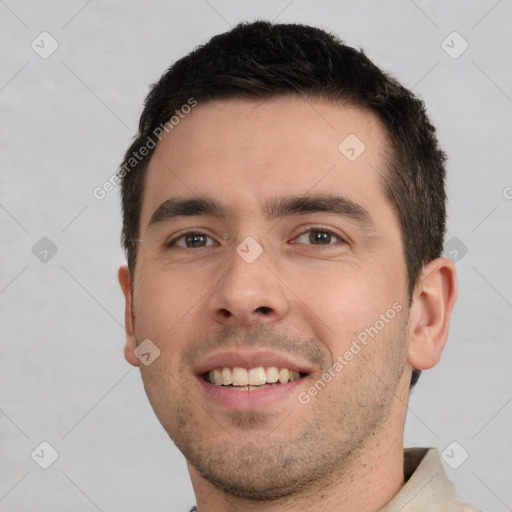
x=249, y=294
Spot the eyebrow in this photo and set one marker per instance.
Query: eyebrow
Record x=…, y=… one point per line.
x=319, y=203
x=274, y=208
x=188, y=207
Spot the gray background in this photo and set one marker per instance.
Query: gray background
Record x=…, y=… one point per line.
x=66, y=121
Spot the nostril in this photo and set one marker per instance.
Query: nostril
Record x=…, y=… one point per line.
x=226, y=313
x=264, y=309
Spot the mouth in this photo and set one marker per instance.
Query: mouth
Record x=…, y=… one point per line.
x=267, y=377
x=251, y=379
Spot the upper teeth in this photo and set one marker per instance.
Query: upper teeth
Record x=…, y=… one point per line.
x=251, y=377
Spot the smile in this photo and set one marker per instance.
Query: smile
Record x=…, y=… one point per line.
x=250, y=379
x=268, y=378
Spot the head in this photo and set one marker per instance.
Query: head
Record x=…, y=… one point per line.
x=272, y=125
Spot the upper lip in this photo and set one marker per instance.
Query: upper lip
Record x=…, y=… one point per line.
x=251, y=359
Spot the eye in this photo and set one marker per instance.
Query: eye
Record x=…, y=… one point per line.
x=191, y=240
x=318, y=236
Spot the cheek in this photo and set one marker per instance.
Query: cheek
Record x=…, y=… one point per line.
x=341, y=300
x=164, y=302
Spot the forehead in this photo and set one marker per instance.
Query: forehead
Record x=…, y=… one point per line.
x=243, y=151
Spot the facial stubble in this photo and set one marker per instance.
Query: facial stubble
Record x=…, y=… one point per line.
x=267, y=456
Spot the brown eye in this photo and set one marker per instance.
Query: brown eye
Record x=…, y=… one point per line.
x=320, y=237
x=195, y=240
x=191, y=240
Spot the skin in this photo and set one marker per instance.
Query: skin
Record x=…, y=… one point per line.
x=344, y=449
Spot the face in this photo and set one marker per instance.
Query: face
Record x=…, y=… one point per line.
x=270, y=276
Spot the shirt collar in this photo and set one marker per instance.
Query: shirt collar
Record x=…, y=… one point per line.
x=427, y=487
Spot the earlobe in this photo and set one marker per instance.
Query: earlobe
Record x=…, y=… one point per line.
x=129, y=320
x=433, y=300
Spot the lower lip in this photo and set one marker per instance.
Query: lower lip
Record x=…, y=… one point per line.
x=238, y=400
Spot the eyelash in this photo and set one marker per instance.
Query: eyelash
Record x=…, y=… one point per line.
x=173, y=241
x=321, y=230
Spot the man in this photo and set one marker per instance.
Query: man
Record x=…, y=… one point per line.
x=284, y=215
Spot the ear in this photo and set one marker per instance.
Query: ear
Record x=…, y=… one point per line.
x=125, y=281
x=433, y=300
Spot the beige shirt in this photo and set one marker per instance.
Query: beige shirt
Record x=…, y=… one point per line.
x=427, y=488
